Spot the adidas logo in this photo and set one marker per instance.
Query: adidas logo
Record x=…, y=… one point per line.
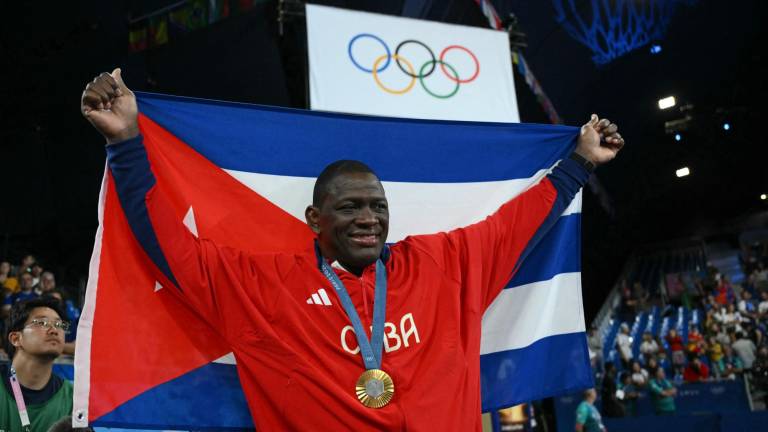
x=319, y=298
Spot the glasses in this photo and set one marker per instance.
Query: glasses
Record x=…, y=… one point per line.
x=46, y=324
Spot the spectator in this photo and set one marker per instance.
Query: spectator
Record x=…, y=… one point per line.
x=762, y=308
x=595, y=344
x=35, y=339
x=25, y=293
x=720, y=336
x=651, y=365
x=649, y=348
x=37, y=270
x=695, y=341
x=624, y=345
x=628, y=394
x=745, y=349
x=729, y=365
x=747, y=307
x=696, y=371
x=7, y=282
x=611, y=405
x=715, y=353
x=759, y=277
x=724, y=291
x=676, y=348
x=662, y=394
x=639, y=375
x=627, y=307
x=760, y=372
x=729, y=317
x=47, y=283
x=587, y=416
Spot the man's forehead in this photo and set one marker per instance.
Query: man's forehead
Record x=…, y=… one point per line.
x=43, y=312
x=355, y=183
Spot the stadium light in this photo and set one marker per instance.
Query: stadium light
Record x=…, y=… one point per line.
x=763, y=197
x=682, y=172
x=726, y=126
x=678, y=137
x=655, y=49
x=667, y=102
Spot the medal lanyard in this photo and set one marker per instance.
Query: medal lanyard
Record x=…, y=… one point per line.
x=370, y=350
x=22, y=407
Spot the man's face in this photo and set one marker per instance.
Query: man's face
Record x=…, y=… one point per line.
x=38, y=340
x=5, y=267
x=26, y=281
x=47, y=282
x=353, y=220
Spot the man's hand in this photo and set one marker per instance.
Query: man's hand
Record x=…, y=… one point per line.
x=599, y=141
x=110, y=106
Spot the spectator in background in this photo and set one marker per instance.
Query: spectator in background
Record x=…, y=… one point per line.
x=627, y=307
x=747, y=307
x=651, y=365
x=25, y=293
x=26, y=264
x=695, y=341
x=624, y=345
x=724, y=291
x=595, y=344
x=639, y=375
x=611, y=405
x=641, y=296
x=37, y=270
x=662, y=394
x=720, y=336
x=729, y=317
x=47, y=283
x=649, y=348
x=762, y=308
x=745, y=349
x=715, y=353
x=759, y=277
x=729, y=365
x=627, y=393
x=676, y=348
x=696, y=371
x=35, y=339
x=587, y=416
x=760, y=372
x=7, y=282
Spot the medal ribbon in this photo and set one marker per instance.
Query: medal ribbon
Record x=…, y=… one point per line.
x=22, y=407
x=370, y=350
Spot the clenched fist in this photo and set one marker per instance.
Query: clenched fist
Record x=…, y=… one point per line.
x=110, y=106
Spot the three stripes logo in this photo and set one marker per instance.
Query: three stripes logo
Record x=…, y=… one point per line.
x=319, y=298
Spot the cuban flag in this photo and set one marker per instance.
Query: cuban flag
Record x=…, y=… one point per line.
x=242, y=175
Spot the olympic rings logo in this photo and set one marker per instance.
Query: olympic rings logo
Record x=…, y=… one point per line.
x=425, y=70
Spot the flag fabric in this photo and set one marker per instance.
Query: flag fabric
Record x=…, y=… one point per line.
x=240, y=172
x=401, y=67
x=137, y=38
x=158, y=30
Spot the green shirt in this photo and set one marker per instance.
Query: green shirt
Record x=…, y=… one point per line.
x=588, y=416
x=41, y=416
x=661, y=403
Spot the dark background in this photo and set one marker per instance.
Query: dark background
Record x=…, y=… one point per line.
x=713, y=58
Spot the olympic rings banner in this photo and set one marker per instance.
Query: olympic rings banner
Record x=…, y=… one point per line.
x=366, y=63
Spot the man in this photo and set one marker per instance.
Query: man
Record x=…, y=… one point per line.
x=308, y=368
x=35, y=339
x=587, y=416
x=47, y=283
x=7, y=282
x=696, y=370
x=745, y=349
x=662, y=393
x=26, y=292
x=612, y=407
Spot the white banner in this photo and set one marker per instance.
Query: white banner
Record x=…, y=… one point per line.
x=365, y=63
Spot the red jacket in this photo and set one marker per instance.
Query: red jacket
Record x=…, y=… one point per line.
x=298, y=361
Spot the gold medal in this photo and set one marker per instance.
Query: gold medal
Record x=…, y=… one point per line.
x=375, y=388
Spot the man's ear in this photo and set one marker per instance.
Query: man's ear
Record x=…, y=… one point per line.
x=14, y=338
x=312, y=215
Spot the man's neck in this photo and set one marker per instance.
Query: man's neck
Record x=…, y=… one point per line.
x=33, y=372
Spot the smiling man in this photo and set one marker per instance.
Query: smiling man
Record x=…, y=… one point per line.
x=350, y=334
x=35, y=340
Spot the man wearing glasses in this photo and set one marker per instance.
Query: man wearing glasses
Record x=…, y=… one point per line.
x=32, y=397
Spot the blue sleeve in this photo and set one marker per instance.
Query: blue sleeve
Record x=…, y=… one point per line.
x=133, y=177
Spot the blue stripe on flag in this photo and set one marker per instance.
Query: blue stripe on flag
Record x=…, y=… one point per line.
x=551, y=366
x=559, y=252
x=283, y=141
x=209, y=397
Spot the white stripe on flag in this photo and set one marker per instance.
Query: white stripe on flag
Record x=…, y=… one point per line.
x=522, y=315
x=413, y=206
